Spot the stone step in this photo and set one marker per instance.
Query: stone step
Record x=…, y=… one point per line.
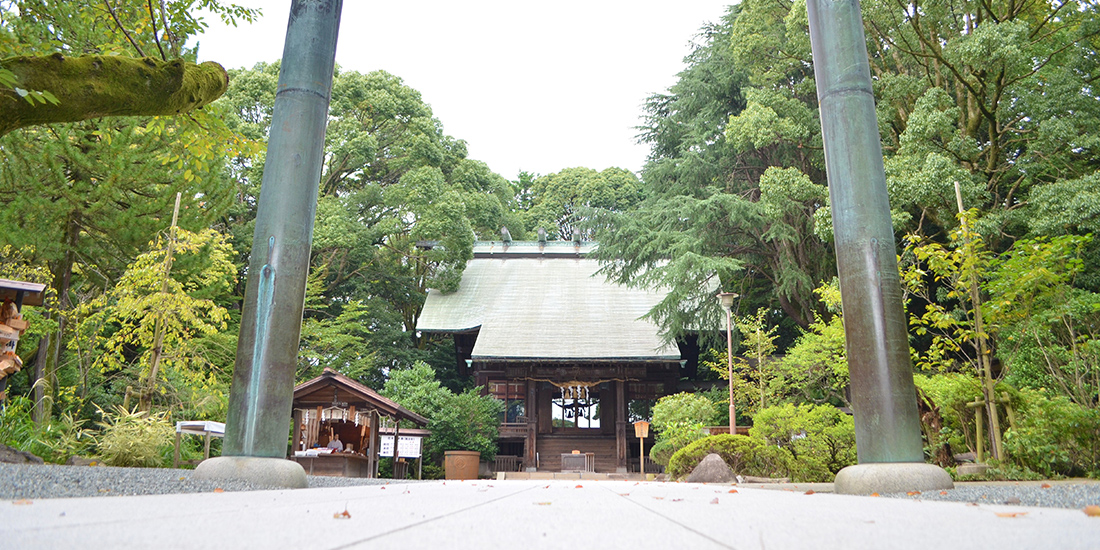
x=582, y=476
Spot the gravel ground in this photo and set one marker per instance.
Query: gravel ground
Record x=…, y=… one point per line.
x=25, y=481
x=18, y=481
x=1058, y=494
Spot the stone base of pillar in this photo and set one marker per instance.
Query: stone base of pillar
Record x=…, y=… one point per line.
x=972, y=469
x=891, y=477
x=274, y=472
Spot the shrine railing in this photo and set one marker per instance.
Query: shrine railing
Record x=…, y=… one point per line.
x=507, y=463
x=513, y=429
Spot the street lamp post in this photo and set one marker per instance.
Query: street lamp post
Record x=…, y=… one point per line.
x=726, y=299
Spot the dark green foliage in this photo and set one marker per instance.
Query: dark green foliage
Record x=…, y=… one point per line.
x=1055, y=437
x=745, y=456
x=949, y=393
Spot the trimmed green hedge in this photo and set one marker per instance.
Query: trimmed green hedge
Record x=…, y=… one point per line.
x=744, y=455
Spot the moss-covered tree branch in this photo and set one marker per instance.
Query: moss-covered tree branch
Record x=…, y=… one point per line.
x=99, y=85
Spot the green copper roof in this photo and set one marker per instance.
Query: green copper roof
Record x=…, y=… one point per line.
x=546, y=303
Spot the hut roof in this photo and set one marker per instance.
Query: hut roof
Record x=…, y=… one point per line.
x=546, y=302
x=333, y=386
x=33, y=293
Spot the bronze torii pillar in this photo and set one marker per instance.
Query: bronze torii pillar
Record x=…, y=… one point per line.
x=267, y=349
x=888, y=438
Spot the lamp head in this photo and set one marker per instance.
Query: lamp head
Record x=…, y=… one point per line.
x=726, y=299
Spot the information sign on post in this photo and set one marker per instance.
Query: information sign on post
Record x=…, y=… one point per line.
x=408, y=446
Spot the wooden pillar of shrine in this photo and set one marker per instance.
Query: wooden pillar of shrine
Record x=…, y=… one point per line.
x=620, y=426
x=530, y=457
x=297, y=432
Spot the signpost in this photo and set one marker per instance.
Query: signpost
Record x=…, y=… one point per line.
x=641, y=430
x=408, y=446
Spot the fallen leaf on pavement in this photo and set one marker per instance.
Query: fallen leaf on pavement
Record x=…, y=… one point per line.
x=943, y=492
x=677, y=500
x=219, y=490
x=579, y=487
x=1092, y=511
x=542, y=504
x=810, y=492
x=658, y=498
x=874, y=494
x=913, y=493
x=1010, y=514
x=342, y=515
x=25, y=502
x=733, y=490
x=1045, y=486
x=715, y=501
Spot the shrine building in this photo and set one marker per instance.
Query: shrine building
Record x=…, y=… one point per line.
x=567, y=351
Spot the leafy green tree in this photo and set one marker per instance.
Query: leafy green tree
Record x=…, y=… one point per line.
x=115, y=333
x=87, y=197
x=465, y=421
x=815, y=368
x=559, y=200
x=400, y=206
x=722, y=206
x=1048, y=330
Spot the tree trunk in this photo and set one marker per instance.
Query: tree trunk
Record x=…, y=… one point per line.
x=94, y=86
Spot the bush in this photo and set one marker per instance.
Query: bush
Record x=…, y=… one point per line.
x=135, y=438
x=55, y=442
x=468, y=421
x=819, y=437
x=673, y=438
x=465, y=421
x=949, y=393
x=678, y=419
x=1055, y=437
x=744, y=455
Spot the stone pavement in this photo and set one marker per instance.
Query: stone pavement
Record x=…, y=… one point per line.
x=534, y=514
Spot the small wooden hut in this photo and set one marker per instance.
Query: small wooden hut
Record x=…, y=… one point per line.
x=334, y=405
x=13, y=296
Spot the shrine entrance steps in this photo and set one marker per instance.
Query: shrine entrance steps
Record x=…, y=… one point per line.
x=581, y=476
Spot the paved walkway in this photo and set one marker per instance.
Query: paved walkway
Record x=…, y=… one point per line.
x=534, y=514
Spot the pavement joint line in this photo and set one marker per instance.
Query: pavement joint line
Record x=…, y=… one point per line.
x=429, y=520
x=670, y=520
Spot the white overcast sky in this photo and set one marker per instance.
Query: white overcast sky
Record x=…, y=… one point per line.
x=535, y=86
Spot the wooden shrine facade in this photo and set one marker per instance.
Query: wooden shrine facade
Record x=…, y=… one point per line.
x=568, y=353
x=553, y=410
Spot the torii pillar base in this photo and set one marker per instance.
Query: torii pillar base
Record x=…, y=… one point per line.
x=273, y=472
x=891, y=477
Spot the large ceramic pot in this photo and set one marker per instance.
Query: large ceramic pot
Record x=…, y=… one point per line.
x=461, y=464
